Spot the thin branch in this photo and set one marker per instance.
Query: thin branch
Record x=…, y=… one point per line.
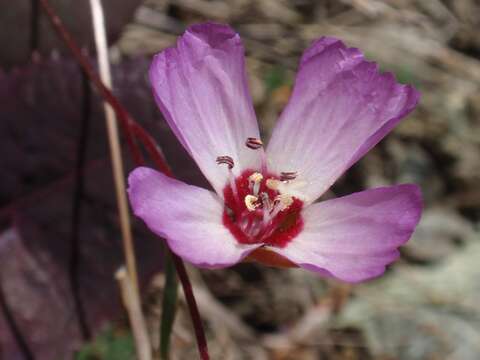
x=123, y=115
x=157, y=156
x=154, y=151
x=127, y=124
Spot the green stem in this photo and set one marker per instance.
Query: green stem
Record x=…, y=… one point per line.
x=168, y=305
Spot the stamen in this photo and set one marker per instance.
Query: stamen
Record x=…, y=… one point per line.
x=227, y=160
x=267, y=204
x=288, y=175
x=262, y=209
x=266, y=214
x=272, y=184
x=233, y=184
x=280, y=203
x=251, y=202
x=248, y=227
x=255, y=229
x=255, y=179
x=254, y=143
x=292, y=188
x=285, y=199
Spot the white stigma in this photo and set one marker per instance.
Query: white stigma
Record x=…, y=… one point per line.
x=255, y=179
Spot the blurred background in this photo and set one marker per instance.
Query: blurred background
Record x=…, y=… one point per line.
x=59, y=237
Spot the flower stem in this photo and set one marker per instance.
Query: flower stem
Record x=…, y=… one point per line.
x=133, y=130
x=154, y=151
x=156, y=155
x=192, y=305
x=169, y=304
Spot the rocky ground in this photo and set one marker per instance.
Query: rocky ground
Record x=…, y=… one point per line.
x=425, y=307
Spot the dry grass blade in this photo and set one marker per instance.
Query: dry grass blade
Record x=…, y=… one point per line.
x=135, y=315
x=113, y=137
x=129, y=281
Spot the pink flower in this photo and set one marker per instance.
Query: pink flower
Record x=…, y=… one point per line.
x=264, y=205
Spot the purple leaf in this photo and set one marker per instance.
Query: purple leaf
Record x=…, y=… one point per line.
x=16, y=20
x=41, y=111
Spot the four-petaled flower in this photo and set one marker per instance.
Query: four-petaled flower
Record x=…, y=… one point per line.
x=263, y=205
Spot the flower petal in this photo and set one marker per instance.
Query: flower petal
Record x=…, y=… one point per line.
x=341, y=106
x=201, y=88
x=354, y=237
x=188, y=217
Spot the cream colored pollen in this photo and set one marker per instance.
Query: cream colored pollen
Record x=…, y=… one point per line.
x=285, y=200
x=251, y=202
x=273, y=184
x=256, y=177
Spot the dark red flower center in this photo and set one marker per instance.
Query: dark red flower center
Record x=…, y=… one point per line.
x=256, y=213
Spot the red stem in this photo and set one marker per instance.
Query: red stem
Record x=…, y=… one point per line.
x=133, y=130
x=156, y=155
x=192, y=305
x=152, y=147
x=122, y=113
